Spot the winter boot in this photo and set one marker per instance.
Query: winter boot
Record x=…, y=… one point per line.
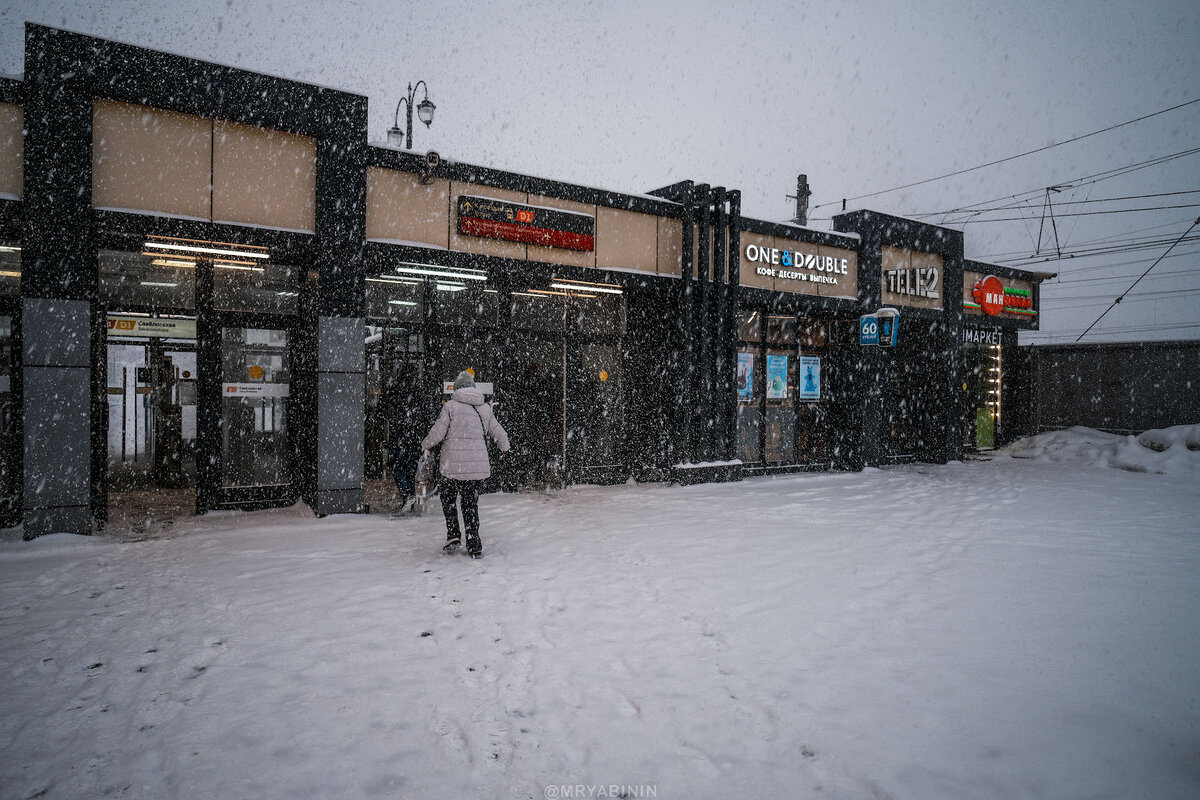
x=474, y=546
x=452, y=545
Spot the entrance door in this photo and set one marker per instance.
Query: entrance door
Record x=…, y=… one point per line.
x=151, y=414
x=255, y=458
x=151, y=394
x=532, y=410
x=595, y=413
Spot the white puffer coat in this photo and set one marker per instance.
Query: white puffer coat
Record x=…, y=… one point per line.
x=460, y=428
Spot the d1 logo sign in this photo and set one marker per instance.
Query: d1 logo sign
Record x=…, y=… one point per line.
x=989, y=293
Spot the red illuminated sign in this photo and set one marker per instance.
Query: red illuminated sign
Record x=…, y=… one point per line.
x=989, y=293
x=549, y=227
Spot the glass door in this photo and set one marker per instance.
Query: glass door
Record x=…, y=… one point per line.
x=595, y=411
x=256, y=455
x=532, y=410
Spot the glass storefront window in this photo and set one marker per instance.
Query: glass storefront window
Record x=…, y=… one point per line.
x=749, y=412
x=465, y=304
x=538, y=311
x=132, y=280
x=597, y=315
x=395, y=300
x=750, y=326
x=264, y=288
x=781, y=331
x=10, y=269
x=781, y=405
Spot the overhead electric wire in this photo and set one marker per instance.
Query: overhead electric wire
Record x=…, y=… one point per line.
x=1086, y=253
x=1115, y=239
x=1058, y=204
x=1094, y=178
x=1092, y=213
x=1013, y=158
x=1072, y=183
x=1135, y=283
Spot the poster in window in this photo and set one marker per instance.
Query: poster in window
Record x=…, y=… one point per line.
x=777, y=377
x=809, y=386
x=745, y=376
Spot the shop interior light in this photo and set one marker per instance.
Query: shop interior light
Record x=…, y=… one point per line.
x=175, y=245
x=441, y=272
x=171, y=262
x=391, y=279
x=451, y=287
x=584, y=286
x=564, y=294
x=8, y=248
x=160, y=283
x=5, y=273
x=237, y=266
x=401, y=303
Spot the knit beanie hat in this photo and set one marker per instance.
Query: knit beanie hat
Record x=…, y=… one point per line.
x=464, y=380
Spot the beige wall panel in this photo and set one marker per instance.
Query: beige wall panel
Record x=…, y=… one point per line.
x=847, y=285
x=478, y=244
x=895, y=257
x=747, y=270
x=12, y=150
x=264, y=177
x=670, y=246
x=400, y=207
x=969, y=279
x=151, y=160
x=560, y=255
x=626, y=239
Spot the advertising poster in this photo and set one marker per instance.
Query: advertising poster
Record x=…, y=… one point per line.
x=809, y=387
x=777, y=377
x=745, y=376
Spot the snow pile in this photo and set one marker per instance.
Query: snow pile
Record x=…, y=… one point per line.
x=988, y=630
x=1169, y=451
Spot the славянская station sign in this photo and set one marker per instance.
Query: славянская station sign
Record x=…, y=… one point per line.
x=514, y=222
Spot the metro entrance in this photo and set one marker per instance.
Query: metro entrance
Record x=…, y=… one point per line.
x=199, y=379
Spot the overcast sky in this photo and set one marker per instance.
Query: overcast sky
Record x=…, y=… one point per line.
x=860, y=96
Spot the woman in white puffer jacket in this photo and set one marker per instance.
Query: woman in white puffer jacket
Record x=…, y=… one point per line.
x=462, y=427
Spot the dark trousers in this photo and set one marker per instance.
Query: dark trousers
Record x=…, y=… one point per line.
x=404, y=466
x=466, y=494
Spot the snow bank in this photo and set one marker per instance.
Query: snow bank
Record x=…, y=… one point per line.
x=1169, y=451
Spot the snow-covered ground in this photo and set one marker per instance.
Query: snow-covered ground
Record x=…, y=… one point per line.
x=1021, y=627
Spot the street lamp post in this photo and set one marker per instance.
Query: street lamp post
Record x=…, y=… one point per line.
x=397, y=137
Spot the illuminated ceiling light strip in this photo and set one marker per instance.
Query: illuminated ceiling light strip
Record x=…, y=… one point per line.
x=158, y=283
x=188, y=248
x=241, y=269
x=4, y=273
x=389, y=279
x=586, y=287
x=424, y=269
x=571, y=293
x=7, y=248
x=450, y=287
x=170, y=262
x=401, y=303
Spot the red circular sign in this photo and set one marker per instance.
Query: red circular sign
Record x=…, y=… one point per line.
x=989, y=293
